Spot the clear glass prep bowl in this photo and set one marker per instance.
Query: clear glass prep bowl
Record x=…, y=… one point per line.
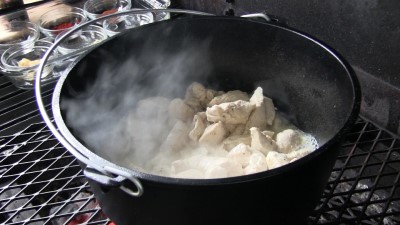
x=84, y=37
x=69, y=17
x=18, y=33
x=118, y=24
x=97, y=8
x=23, y=76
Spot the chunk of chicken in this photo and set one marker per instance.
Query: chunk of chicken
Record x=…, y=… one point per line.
x=233, y=168
x=258, y=97
x=234, y=140
x=205, y=163
x=261, y=142
x=258, y=117
x=235, y=129
x=216, y=172
x=257, y=163
x=180, y=110
x=197, y=91
x=199, y=125
x=268, y=133
x=213, y=134
x=276, y=159
x=240, y=154
x=195, y=104
x=190, y=174
x=230, y=127
x=299, y=153
x=217, y=151
x=177, y=138
x=239, y=129
x=230, y=96
x=231, y=112
x=210, y=94
x=264, y=113
x=270, y=109
x=288, y=140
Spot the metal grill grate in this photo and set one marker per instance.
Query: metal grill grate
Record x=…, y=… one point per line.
x=41, y=183
x=364, y=187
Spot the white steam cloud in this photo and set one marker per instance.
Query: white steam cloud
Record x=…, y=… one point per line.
x=105, y=117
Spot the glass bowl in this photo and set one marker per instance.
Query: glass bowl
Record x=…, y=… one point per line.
x=97, y=8
x=84, y=37
x=56, y=21
x=18, y=33
x=155, y=4
x=20, y=65
x=46, y=42
x=118, y=24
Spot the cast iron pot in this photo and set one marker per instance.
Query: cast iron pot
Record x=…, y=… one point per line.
x=308, y=81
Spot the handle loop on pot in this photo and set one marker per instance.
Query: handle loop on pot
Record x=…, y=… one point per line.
x=107, y=180
x=115, y=181
x=139, y=188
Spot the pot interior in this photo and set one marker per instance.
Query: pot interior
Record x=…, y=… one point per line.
x=310, y=86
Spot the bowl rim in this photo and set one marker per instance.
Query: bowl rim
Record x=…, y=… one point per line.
x=95, y=15
x=32, y=26
x=351, y=118
x=149, y=15
x=73, y=11
x=88, y=29
x=14, y=50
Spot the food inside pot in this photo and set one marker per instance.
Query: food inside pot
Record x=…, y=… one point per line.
x=207, y=134
x=181, y=114
x=216, y=134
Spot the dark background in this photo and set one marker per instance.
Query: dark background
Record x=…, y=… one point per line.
x=365, y=32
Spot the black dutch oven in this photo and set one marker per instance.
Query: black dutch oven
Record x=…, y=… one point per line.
x=306, y=79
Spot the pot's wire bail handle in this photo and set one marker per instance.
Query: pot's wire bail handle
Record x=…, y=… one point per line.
x=105, y=172
x=257, y=15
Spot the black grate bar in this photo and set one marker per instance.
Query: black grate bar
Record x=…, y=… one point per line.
x=19, y=100
x=22, y=190
x=4, y=84
x=23, y=110
x=23, y=113
x=9, y=92
x=364, y=185
x=361, y=170
x=341, y=171
x=378, y=177
x=391, y=195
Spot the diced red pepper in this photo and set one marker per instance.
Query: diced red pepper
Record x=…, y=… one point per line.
x=110, y=11
x=62, y=26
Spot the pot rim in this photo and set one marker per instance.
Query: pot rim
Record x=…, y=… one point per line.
x=351, y=118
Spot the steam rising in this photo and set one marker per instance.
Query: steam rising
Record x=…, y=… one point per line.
x=132, y=114
x=110, y=117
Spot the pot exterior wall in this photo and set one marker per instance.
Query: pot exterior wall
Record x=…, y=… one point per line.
x=284, y=199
